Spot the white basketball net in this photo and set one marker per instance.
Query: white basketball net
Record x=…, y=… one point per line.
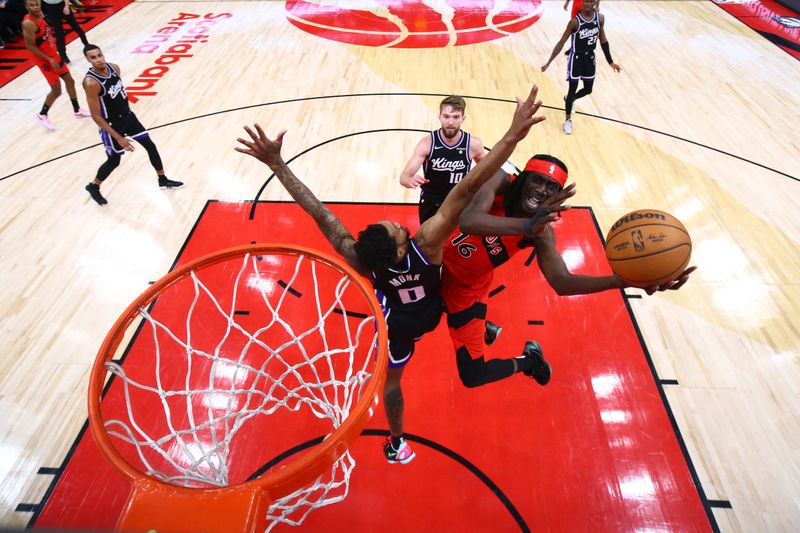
x=308, y=371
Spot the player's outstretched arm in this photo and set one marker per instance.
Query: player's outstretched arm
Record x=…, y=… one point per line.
x=558, y=275
x=409, y=177
x=565, y=283
x=268, y=151
x=476, y=220
x=433, y=233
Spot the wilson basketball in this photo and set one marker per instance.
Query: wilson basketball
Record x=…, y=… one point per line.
x=648, y=248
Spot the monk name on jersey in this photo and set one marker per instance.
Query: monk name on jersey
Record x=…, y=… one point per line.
x=403, y=278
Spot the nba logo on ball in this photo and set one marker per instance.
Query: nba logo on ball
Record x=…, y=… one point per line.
x=412, y=23
x=648, y=248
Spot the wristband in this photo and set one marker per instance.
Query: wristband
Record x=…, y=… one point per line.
x=542, y=212
x=607, y=52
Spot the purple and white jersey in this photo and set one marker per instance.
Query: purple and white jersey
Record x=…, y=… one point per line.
x=113, y=98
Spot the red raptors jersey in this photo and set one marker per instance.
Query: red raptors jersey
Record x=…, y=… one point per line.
x=468, y=257
x=44, y=38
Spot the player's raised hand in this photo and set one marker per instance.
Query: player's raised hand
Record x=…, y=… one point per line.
x=260, y=146
x=525, y=116
x=672, y=285
x=549, y=209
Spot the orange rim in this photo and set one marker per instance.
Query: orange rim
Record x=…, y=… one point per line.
x=284, y=480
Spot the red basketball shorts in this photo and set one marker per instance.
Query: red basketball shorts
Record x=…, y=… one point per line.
x=466, y=310
x=52, y=76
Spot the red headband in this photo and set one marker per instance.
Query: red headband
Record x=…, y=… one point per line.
x=546, y=168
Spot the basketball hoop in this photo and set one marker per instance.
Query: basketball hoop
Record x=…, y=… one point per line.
x=256, y=355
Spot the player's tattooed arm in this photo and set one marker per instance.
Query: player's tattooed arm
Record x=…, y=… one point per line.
x=269, y=152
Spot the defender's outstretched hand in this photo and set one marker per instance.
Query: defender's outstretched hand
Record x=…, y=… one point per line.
x=525, y=116
x=261, y=147
x=548, y=211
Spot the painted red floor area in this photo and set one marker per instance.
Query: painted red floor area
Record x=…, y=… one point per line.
x=15, y=59
x=773, y=20
x=413, y=23
x=595, y=450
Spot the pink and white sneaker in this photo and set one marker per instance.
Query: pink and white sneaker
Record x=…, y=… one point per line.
x=44, y=120
x=404, y=454
x=82, y=113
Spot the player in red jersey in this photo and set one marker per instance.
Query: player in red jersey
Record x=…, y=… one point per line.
x=516, y=211
x=39, y=41
x=577, y=5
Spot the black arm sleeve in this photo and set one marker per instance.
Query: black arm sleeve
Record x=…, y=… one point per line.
x=607, y=51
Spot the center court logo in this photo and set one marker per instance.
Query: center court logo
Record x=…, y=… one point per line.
x=412, y=23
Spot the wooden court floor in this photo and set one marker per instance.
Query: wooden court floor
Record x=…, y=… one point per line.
x=702, y=123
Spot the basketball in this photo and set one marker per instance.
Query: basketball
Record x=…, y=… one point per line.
x=648, y=248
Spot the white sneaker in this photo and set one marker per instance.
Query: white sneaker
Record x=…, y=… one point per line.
x=44, y=120
x=568, y=126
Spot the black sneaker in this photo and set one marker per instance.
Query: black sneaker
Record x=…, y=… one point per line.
x=540, y=371
x=491, y=333
x=403, y=455
x=166, y=183
x=94, y=192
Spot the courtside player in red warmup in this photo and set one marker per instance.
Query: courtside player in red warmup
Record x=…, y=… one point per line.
x=41, y=44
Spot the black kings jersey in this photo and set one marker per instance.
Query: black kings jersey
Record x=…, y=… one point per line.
x=444, y=167
x=584, y=39
x=412, y=285
x=113, y=98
